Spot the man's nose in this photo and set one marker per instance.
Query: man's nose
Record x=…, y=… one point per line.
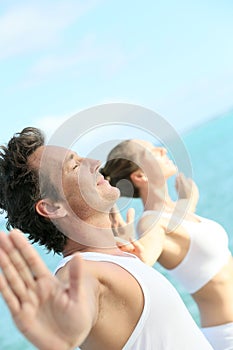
x=163, y=150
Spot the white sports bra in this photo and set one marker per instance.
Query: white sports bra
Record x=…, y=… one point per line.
x=208, y=253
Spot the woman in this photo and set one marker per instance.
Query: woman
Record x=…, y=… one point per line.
x=193, y=249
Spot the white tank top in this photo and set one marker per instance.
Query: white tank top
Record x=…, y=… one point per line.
x=207, y=254
x=165, y=323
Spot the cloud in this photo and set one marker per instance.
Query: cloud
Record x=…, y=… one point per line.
x=87, y=58
x=198, y=100
x=100, y=134
x=36, y=25
x=48, y=124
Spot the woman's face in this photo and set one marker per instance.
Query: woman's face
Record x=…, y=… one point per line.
x=162, y=162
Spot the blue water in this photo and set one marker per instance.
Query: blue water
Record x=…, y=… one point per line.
x=210, y=147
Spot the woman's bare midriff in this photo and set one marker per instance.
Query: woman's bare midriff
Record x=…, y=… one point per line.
x=215, y=299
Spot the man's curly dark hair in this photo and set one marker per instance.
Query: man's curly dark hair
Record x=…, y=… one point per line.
x=20, y=190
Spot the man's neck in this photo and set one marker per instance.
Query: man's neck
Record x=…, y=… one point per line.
x=72, y=248
x=95, y=233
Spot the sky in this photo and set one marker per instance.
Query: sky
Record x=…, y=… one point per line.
x=60, y=57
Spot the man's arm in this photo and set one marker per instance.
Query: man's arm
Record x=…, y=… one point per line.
x=46, y=310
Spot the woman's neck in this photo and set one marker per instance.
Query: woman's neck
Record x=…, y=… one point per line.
x=156, y=198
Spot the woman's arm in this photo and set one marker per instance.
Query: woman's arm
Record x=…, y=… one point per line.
x=122, y=229
x=150, y=244
x=46, y=310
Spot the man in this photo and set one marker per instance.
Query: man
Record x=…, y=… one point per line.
x=101, y=298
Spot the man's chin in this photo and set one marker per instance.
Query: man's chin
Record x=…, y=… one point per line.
x=118, y=193
x=114, y=193
x=109, y=201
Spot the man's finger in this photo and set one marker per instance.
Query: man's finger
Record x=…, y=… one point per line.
x=130, y=215
x=29, y=254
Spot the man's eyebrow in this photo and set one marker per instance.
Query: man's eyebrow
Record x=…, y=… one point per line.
x=69, y=157
x=72, y=156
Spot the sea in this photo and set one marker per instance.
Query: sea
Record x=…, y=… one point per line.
x=210, y=148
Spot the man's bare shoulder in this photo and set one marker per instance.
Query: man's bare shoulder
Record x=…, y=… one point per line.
x=113, y=286
x=89, y=269
x=109, y=275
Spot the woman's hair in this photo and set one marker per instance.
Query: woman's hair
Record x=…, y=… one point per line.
x=20, y=190
x=119, y=166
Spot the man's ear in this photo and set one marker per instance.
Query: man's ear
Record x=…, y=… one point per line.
x=47, y=208
x=138, y=178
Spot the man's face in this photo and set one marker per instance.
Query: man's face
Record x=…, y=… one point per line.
x=82, y=188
